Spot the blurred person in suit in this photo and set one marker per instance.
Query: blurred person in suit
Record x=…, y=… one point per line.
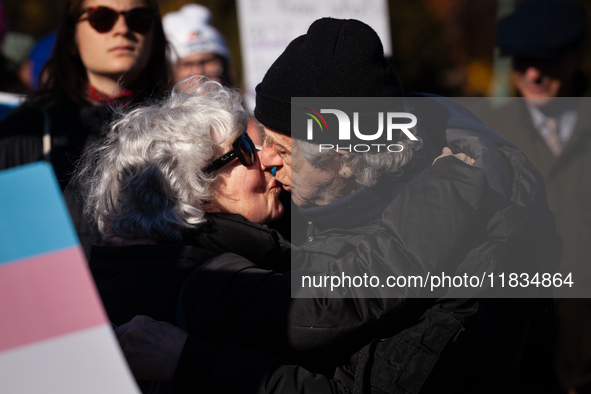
x=552, y=126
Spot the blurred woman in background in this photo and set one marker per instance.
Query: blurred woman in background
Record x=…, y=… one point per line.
x=197, y=47
x=108, y=53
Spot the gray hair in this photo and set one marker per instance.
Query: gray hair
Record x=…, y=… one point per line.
x=367, y=167
x=144, y=179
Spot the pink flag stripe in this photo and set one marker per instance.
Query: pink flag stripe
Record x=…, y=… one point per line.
x=45, y=296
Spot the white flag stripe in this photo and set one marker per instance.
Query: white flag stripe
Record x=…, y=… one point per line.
x=87, y=361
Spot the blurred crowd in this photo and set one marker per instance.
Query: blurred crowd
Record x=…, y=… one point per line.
x=109, y=56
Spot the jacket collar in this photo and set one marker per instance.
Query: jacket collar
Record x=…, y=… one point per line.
x=231, y=233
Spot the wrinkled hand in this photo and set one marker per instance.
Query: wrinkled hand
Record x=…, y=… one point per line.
x=152, y=348
x=447, y=152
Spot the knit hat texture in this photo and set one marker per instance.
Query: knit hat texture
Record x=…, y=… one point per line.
x=335, y=58
x=189, y=32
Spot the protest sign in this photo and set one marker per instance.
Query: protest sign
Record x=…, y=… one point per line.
x=266, y=27
x=55, y=336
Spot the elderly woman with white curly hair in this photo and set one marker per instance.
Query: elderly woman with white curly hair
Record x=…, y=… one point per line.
x=169, y=176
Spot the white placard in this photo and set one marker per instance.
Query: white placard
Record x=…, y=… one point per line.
x=268, y=26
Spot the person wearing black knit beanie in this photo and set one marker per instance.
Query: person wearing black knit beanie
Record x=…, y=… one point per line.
x=344, y=58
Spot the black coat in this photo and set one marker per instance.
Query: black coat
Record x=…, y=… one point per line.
x=147, y=279
x=428, y=345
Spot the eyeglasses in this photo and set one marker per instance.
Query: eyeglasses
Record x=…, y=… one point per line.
x=102, y=19
x=209, y=65
x=243, y=149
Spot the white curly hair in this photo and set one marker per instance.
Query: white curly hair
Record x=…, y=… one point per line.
x=144, y=179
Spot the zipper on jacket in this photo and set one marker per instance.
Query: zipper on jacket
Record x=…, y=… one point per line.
x=310, y=232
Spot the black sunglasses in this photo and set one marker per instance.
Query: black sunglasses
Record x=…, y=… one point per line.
x=102, y=19
x=243, y=149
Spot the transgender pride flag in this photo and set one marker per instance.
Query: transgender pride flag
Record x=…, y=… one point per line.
x=54, y=334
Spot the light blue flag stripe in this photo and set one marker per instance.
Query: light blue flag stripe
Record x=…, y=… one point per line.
x=34, y=218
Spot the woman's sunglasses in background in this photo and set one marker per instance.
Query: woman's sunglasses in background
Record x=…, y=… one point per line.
x=102, y=19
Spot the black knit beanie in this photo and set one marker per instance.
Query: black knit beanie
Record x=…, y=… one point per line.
x=335, y=58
